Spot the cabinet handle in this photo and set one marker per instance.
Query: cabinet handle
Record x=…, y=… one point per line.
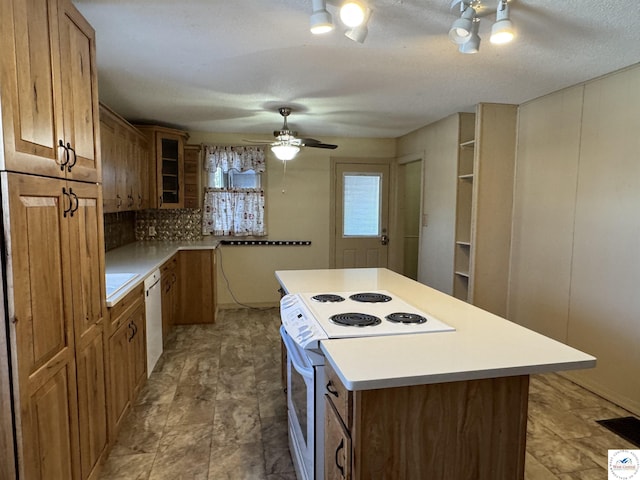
x=135, y=328
x=75, y=157
x=133, y=333
x=161, y=200
x=66, y=194
x=139, y=201
x=73, y=210
x=66, y=155
x=331, y=389
x=340, y=447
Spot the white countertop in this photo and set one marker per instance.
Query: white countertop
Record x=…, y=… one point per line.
x=142, y=258
x=483, y=345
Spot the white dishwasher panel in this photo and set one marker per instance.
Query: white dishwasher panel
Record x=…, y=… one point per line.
x=153, y=306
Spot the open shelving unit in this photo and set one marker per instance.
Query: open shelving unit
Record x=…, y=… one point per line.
x=464, y=196
x=484, y=198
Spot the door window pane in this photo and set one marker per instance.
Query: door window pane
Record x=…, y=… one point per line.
x=362, y=200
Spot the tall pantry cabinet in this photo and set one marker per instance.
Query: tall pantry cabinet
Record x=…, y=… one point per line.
x=53, y=241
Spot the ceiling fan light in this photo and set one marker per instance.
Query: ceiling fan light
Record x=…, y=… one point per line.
x=352, y=14
x=320, y=20
x=502, y=31
x=460, y=31
x=285, y=152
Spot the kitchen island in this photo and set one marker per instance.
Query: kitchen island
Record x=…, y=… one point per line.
x=447, y=405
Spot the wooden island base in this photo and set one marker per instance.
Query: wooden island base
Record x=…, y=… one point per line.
x=468, y=430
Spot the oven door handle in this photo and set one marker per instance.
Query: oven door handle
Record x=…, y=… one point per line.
x=293, y=351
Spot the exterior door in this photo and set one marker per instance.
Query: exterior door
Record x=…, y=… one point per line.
x=361, y=215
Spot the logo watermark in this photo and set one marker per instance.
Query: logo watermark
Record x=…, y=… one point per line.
x=624, y=464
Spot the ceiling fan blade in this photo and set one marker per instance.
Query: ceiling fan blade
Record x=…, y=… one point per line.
x=313, y=143
x=259, y=142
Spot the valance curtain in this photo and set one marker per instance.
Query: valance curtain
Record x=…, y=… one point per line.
x=233, y=211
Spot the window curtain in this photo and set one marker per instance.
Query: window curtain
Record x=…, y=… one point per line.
x=233, y=212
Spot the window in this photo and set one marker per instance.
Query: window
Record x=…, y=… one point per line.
x=234, y=198
x=235, y=179
x=362, y=199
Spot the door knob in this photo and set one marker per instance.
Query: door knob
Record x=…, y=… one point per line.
x=384, y=240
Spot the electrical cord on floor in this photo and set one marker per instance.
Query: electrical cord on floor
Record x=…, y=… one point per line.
x=226, y=280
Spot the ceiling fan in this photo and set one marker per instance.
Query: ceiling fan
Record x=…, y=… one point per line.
x=287, y=145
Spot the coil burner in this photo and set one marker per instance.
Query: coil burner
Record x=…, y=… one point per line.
x=402, y=317
x=370, y=297
x=355, y=320
x=328, y=298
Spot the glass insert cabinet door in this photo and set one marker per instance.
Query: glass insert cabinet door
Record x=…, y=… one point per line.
x=362, y=209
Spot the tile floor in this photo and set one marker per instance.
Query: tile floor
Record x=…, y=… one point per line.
x=213, y=409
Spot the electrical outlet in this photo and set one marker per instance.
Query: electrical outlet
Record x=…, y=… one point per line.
x=425, y=219
x=152, y=231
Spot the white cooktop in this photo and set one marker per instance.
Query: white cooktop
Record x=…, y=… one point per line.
x=322, y=311
x=308, y=321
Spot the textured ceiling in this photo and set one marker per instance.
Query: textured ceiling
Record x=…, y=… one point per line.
x=226, y=66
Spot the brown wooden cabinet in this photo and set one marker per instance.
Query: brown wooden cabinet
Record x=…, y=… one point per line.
x=49, y=108
x=417, y=432
x=166, y=172
x=198, y=287
x=125, y=164
x=56, y=308
x=169, y=273
x=193, y=187
x=127, y=356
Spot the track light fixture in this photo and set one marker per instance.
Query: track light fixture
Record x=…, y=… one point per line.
x=502, y=31
x=359, y=33
x=473, y=44
x=460, y=31
x=321, y=21
x=464, y=30
x=352, y=14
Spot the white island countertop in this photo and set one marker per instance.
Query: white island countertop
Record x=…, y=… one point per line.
x=483, y=345
x=142, y=258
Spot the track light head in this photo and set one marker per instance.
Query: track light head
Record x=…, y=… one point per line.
x=460, y=31
x=473, y=44
x=353, y=14
x=502, y=31
x=359, y=34
x=320, y=21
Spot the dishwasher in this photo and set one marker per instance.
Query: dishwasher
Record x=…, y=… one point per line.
x=153, y=307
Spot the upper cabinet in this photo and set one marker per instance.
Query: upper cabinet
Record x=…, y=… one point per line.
x=192, y=176
x=49, y=90
x=166, y=173
x=125, y=164
x=483, y=209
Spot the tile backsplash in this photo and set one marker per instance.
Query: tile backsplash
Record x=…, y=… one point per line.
x=183, y=224
x=127, y=227
x=119, y=229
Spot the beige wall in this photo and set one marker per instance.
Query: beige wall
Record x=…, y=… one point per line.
x=575, y=257
x=437, y=145
x=297, y=209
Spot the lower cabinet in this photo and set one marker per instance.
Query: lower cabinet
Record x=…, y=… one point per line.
x=170, y=295
x=424, y=431
x=197, y=287
x=127, y=356
x=92, y=402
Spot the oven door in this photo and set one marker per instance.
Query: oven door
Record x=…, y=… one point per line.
x=304, y=429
